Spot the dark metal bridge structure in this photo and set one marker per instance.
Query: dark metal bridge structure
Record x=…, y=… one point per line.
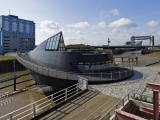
x=109, y=47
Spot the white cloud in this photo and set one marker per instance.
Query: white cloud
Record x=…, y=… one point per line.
x=123, y=22
x=151, y=30
x=49, y=25
x=78, y=32
x=114, y=12
x=115, y=31
x=102, y=25
x=74, y=40
x=153, y=23
x=94, y=32
x=71, y=31
x=129, y=31
x=103, y=32
x=50, y=31
x=80, y=25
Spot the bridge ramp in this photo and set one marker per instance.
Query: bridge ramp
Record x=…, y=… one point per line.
x=86, y=106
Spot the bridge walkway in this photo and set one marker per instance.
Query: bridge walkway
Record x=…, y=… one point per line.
x=88, y=105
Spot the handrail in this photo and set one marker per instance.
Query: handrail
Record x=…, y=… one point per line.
x=127, y=95
x=72, y=75
x=81, y=85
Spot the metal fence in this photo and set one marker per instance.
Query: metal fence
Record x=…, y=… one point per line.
x=135, y=96
x=140, y=63
x=100, y=76
x=38, y=107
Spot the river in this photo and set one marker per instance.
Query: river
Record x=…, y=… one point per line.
x=128, y=54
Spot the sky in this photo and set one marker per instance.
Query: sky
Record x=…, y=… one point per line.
x=89, y=22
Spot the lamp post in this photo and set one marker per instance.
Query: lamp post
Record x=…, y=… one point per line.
x=108, y=41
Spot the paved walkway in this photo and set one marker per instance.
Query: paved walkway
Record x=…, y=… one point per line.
x=88, y=106
x=137, y=83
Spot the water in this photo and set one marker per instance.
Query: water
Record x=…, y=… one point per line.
x=22, y=99
x=128, y=54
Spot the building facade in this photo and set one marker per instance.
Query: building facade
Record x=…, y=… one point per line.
x=16, y=34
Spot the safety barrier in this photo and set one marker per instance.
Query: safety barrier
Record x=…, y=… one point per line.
x=100, y=76
x=140, y=63
x=36, y=108
x=135, y=96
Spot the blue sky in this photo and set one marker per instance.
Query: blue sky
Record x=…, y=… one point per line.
x=89, y=21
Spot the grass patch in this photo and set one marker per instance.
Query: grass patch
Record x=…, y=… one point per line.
x=4, y=59
x=156, y=53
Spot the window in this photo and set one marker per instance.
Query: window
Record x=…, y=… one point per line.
x=55, y=42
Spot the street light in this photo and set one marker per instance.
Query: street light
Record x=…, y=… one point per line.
x=108, y=41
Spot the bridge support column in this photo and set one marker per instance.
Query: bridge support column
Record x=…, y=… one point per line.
x=151, y=41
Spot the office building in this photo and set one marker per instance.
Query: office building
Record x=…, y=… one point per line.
x=16, y=35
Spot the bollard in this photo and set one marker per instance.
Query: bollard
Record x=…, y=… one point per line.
x=52, y=101
x=66, y=94
x=119, y=75
x=34, y=110
x=128, y=96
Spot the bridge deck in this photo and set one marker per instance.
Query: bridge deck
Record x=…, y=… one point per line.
x=89, y=105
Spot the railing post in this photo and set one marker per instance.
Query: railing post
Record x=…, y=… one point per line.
x=10, y=116
x=77, y=88
x=34, y=110
x=66, y=75
x=56, y=73
x=52, y=101
x=123, y=102
x=47, y=72
x=126, y=73
x=111, y=75
x=119, y=75
x=108, y=116
x=133, y=95
x=101, y=75
x=66, y=94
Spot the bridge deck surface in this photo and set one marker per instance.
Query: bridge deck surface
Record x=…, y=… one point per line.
x=87, y=106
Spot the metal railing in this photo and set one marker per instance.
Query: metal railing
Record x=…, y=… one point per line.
x=135, y=96
x=36, y=108
x=73, y=75
x=140, y=63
